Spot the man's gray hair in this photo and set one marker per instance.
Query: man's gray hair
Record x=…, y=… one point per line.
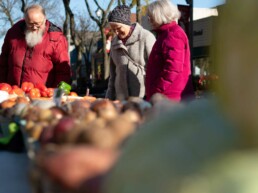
x=35, y=6
x=163, y=12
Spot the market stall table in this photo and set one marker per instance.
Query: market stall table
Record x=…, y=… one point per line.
x=14, y=169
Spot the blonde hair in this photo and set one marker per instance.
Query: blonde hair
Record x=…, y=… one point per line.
x=163, y=12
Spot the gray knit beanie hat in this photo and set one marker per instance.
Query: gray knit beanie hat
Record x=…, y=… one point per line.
x=120, y=14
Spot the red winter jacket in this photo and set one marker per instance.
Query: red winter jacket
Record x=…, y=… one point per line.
x=169, y=69
x=47, y=63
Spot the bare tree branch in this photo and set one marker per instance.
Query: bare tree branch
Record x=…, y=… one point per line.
x=23, y=6
x=6, y=9
x=102, y=23
x=82, y=39
x=90, y=13
x=96, y=2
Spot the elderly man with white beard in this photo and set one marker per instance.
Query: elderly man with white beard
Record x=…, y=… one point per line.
x=35, y=50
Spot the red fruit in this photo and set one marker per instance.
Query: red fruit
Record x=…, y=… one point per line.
x=5, y=87
x=50, y=92
x=27, y=86
x=18, y=91
x=73, y=94
x=15, y=86
x=34, y=93
x=41, y=87
x=43, y=93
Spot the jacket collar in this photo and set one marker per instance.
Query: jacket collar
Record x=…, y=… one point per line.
x=165, y=27
x=135, y=36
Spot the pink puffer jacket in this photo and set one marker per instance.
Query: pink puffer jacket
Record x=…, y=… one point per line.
x=169, y=67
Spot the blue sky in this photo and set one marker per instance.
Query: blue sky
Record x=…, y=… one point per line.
x=201, y=3
x=197, y=3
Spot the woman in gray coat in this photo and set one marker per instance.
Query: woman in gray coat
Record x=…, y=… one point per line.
x=129, y=54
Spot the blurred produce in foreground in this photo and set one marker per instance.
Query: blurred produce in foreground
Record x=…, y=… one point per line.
x=211, y=145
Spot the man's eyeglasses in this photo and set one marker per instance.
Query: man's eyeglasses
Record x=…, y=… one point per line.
x=37, y=25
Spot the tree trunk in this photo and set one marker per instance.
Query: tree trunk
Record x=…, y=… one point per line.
x=101, y=22
x=105, y=67
x=138, y=12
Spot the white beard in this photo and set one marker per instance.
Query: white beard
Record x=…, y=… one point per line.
x=33, y=38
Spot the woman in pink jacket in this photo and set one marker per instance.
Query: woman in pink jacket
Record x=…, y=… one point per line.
x=169, y=66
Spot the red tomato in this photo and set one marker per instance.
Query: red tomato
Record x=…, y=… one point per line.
x=18, y=91
x=27, y=86
x=73, y=94
x=50, y=92
x=34, y=93
x=43, y=93
x=41, y=87
x=15, y=86
x=5, y=87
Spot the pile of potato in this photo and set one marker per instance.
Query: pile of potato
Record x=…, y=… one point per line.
x=101, y=122
x=80, y=121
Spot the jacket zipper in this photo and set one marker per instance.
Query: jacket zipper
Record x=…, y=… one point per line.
x=23, y=65
x=25, y=56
